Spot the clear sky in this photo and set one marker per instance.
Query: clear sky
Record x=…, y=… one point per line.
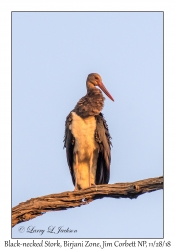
x=52, y=54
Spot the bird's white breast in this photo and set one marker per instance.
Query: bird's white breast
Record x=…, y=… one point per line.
x=83, y=130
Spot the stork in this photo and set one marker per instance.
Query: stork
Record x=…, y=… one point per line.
x=87, y=139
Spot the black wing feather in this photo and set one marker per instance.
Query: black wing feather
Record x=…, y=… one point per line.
x=69, y=142
x=103, y=138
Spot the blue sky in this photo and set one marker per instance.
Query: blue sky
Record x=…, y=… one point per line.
x=52, y=54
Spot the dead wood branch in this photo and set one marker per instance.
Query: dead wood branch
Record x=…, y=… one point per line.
x=54, y=202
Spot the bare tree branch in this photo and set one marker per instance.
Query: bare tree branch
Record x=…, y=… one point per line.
x=54, y=202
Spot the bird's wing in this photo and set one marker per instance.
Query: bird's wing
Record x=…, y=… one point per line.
x=103, y=139
x=69, y=142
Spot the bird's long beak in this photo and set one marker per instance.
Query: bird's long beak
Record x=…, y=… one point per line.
x=102, y=87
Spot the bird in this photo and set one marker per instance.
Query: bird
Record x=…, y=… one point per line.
x=87, y=139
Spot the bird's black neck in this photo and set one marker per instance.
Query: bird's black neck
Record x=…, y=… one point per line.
x=91, y=104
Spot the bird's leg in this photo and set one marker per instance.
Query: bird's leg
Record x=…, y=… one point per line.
x=76, y=171
x=93, y=164
x=90, y=169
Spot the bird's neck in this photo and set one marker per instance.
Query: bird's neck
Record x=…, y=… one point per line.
x=89, y=86
x=91, y=104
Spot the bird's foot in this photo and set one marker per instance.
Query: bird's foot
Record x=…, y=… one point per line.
x=76, y=187
x=93, y=185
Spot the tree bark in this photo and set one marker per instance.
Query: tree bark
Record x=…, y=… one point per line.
x=54, y=202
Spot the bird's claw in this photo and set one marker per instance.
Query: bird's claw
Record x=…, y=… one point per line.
x=93, y=185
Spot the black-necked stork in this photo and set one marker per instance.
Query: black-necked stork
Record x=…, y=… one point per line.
x=87, y=139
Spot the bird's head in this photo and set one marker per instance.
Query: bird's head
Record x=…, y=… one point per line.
x=94, y=80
